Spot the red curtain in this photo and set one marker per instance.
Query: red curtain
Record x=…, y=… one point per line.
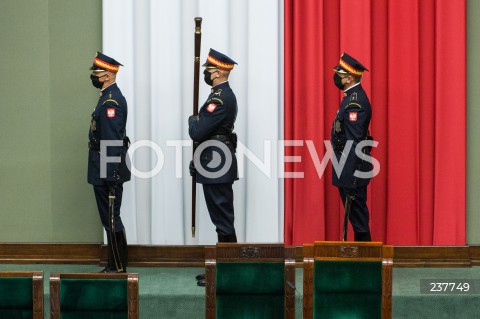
x=416, y=53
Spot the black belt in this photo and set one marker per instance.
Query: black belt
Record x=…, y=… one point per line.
x=221, y=138
x=95, y=146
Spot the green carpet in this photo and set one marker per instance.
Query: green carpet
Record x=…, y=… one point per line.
x=409, y=303
x=172, y=292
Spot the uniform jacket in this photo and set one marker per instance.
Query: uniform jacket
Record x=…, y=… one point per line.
x=108, y=122
x=351, y=123
x=216, y=118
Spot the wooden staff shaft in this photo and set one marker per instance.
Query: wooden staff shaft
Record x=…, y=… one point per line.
x=196, y=82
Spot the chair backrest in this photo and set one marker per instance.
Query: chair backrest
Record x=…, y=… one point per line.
x=250, y=281
x=93, y=295
x=22, y=294
x=347, y=280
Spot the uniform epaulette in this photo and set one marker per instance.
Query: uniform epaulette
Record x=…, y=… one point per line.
x=110, y=100
x=353, y=104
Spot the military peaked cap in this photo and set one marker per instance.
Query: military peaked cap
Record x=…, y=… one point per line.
x=219, y=60
x=350, y=65
x=101, y=62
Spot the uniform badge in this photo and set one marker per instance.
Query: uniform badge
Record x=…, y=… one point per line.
x=111, y=112
x=353, y=97
x=218, y=92
x=338, y=126
x=352, y=116
x=211, y=107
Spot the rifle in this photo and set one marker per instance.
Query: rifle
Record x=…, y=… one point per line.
x=196, y=79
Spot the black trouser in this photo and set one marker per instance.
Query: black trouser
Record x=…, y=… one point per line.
x=101, y=195
x=219, y=199
x=359, y=214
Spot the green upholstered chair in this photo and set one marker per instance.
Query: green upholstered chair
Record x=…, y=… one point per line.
x=249, y=281
x=347, y=280
x=93, y=295
x=21, y=294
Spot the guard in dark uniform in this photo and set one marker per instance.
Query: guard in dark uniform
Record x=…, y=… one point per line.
x=351, y=124
x=108, y=124
x=215, y=163
x=212, y=130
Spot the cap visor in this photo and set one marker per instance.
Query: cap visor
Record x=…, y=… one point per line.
x=208, y=65
x=339, y=69
x=95, y=68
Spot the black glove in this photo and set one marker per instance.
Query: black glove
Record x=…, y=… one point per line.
x=192, y=119
x=234, y=140
x=111, y=186
x=114, y=182
x=193, y=170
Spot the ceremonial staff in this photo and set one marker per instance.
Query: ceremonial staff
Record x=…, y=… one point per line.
x=196, y=79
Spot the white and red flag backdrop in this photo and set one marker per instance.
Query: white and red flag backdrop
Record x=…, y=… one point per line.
x=416, y=53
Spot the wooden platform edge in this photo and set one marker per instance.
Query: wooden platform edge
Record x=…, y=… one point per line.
x=194, y=256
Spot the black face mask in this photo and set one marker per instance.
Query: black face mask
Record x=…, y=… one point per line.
x=96, y=81
x=208, y=77
x=337, y=79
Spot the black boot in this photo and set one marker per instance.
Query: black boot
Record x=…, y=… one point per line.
x=122, y=255
x=110, y=264
x=122, y=249
x=231, y=238
x=362, y=236
x=200, y=280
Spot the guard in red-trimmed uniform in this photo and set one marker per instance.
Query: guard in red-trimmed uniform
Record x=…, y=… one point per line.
x=218, y=165
x=351, y=124
x=109, y=120
x=215, y=163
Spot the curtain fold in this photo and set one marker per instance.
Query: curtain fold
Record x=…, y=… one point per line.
x=450, y=129
x=415, y=51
